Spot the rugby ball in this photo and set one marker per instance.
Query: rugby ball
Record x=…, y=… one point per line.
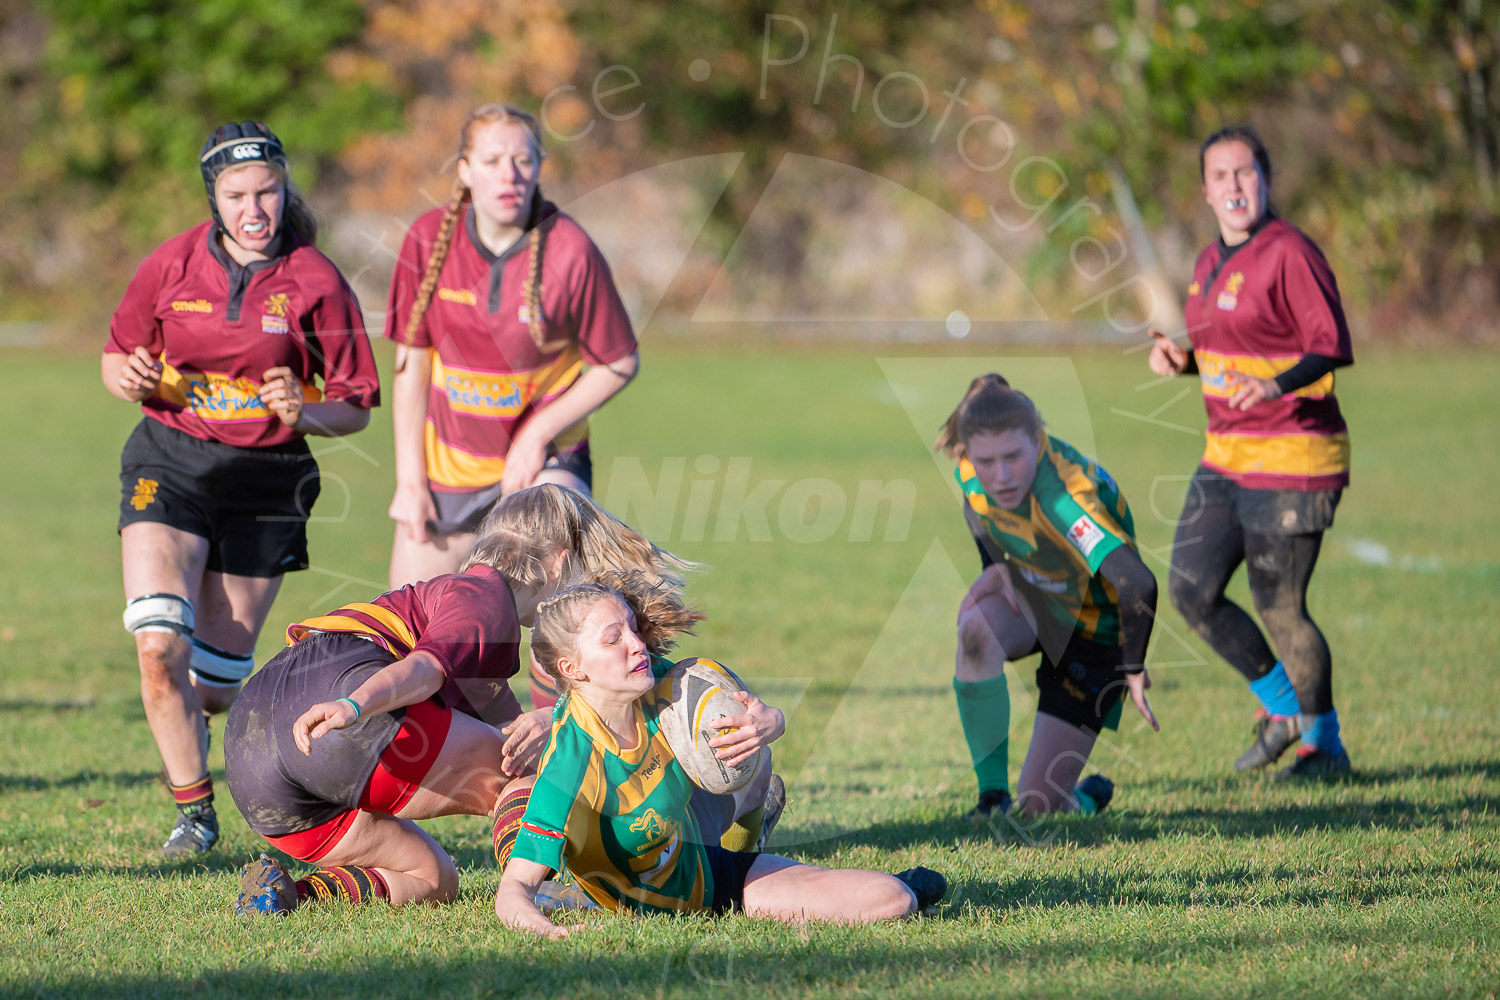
x=701, y=692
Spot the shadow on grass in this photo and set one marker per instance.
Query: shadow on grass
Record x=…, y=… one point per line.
x=32, y=783
x=1393, y=813
x=731, y=955
x=43, y=705
x=1232, y=887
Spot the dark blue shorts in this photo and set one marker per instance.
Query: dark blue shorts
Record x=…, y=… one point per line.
x=729, y=870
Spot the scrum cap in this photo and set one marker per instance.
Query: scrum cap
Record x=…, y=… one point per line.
x=236, y=144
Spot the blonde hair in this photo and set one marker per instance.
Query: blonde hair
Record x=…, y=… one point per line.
x=489, y=114
x=990, y=406
x=537, y=521
x=660, y=616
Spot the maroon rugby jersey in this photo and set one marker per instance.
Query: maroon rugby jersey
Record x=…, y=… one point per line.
x=1271, y=302
x=467, y=621
x=217, y=337
x=488, y=377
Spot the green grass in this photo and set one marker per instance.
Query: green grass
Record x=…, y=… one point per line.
x=1197, y=882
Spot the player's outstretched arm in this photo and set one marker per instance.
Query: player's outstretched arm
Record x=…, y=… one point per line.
x=1135, y=585
x=405, y=682
x=515, y=901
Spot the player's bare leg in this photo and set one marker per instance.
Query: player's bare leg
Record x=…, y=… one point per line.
x=786, y=890
x=1058, y=752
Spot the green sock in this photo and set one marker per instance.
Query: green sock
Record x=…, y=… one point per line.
x=984, y=710
x=1086, y=804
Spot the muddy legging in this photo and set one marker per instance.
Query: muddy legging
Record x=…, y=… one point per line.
x=1224, y=525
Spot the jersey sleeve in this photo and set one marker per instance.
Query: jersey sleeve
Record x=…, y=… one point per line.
x=559, y=783
x=134, y=321
x=604, y=331
x=1311, y=299
x=473, y=633
x=406, y=278
x=348, y=364
x=1075, y=510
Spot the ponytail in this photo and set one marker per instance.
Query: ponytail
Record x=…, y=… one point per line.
x=989, y=406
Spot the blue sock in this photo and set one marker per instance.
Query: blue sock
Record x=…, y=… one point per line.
x=1276, y=693
x=1322, y=732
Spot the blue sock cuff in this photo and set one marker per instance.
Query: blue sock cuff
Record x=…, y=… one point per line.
x=1276, y=693
x=1322, y=732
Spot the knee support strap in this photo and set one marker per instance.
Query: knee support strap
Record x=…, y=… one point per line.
x=213, y=666
x=159, y=613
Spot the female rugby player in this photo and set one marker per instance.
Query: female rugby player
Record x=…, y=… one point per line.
x=613, y=805
x=1267, y=329
x=510, y=335
x=396, y=710
x=219, y=337
x=1060, y=576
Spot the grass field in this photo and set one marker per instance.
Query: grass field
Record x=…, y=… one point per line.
x=1197, y=882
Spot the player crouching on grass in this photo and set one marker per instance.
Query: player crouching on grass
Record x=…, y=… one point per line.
x=613, y=805
x=1060, y=576
x=396, y=710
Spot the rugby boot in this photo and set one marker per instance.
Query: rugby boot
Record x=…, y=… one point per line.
x=995, y=802
x=196, y=831
x=1315, y=764
x=927, y=885
x=775, y=804
x=1273, y=735
x=1099, y=788
x=266, y=890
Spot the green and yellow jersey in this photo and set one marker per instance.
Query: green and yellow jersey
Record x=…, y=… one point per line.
x=1055, y=541
x=619, y=819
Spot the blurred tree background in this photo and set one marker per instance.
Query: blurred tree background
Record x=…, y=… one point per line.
x=1064, y=134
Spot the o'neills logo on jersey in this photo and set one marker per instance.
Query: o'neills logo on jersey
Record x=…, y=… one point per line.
x=192, y=306
x=1229, y=297
x=463, y=296
x=274, y=314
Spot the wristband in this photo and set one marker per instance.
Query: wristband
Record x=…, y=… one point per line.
x=354, y=705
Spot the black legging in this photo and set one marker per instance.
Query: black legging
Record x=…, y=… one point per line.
x=1210, y=545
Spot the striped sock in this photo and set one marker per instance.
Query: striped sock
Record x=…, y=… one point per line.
x=508, y=816
x=193, y=795
x=349, y=883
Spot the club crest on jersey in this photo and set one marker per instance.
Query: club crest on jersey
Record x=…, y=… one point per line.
x=655, y=826
x=1229, y=297
x=274, y=313
x=1085, y=535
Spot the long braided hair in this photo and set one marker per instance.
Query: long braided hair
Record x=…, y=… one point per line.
x=489, y=114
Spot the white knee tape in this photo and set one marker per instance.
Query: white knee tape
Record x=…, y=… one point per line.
x=159, y=613
x=216, y=668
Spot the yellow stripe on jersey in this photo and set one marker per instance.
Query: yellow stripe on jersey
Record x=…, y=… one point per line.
x=217, y=397
x=1281, y=455
x=450, y=465
x=336, y=622
x=503, y=394
x=1213, y=365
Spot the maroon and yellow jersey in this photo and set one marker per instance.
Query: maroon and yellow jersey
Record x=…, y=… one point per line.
x=1272, y=301
x=488, y=375
x=217, y=327
x=467, y=621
